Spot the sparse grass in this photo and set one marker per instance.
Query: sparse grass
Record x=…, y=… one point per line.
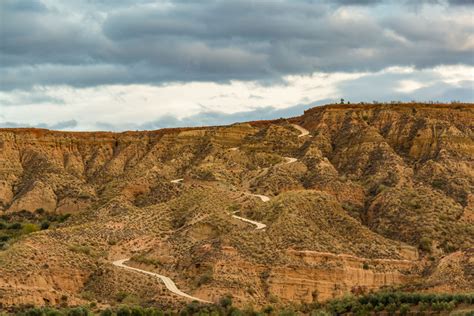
x=81, y=249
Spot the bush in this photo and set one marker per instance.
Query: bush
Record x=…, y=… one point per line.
x=78, y=311
x=40, y=211
x=124, y=311
x=30, y=228
x=205, y=278
x=268, y=309
x=106, y=312
x=425, y=244
x=44, y=225
x=53, y=312
x=34, y=312
x=137, y=311
x=439, y=183
x=15, y=226
x=365, y=266
x=225, y=301
x=81, y=249
x=404, y=309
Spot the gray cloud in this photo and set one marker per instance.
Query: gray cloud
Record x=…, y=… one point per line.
x=461, y=2
x=63, y=125
x=384, y=87
x=89, y=43
x=19, y=98
x=213, y=118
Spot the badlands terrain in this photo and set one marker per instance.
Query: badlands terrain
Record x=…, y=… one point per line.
x=342, y=199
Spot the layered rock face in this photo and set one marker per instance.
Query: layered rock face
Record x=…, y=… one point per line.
x=379, y=195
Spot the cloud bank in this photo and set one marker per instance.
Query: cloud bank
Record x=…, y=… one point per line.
x=48, y=47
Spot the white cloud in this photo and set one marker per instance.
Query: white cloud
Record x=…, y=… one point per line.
x=123, y=106
x=407, y=86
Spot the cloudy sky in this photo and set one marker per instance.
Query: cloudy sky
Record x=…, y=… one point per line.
x=147, y=64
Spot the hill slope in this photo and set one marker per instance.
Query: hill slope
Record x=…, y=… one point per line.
x=373, y=196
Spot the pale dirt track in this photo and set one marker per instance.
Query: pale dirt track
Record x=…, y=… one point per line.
x=257, y=224
x=304, y=131
x=264, y=198
x=170, y=285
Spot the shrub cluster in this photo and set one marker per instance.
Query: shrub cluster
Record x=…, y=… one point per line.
x=393, y=302
x=388, y=303
x=16, y=224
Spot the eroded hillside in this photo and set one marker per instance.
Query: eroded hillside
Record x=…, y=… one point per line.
x=372, y=196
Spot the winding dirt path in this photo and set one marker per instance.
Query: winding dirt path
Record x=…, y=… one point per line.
x=264, y=198
x=303, y=131
x=170, y=285
x=257, y=224
x=290, y=159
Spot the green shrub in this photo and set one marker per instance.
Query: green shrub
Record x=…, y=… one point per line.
x=81, y=249
x=365, y=266
x=15, y=226
x=439, y=183
x=136, y=311
x=205, y=278
x=53, y=312
x=30, y=228
x=404, y=309
x=106, y=312
x=40, y=211
x=120, y=296
x=124, y=311
x=225, y=301
x=425, y=244
x=78, y=311
x=44, y=225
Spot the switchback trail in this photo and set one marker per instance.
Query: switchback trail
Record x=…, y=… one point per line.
x=303, y=130
x=259, y=225
x=167, y=281
x=290, y=159
x=264, y=198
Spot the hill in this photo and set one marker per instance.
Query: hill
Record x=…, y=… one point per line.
x=347, y=198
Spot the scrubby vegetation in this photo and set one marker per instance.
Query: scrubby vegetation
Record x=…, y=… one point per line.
x=16, y=224
x=397, y=303
x=387, y=303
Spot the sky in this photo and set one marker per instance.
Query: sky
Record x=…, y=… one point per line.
x=148, y=64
